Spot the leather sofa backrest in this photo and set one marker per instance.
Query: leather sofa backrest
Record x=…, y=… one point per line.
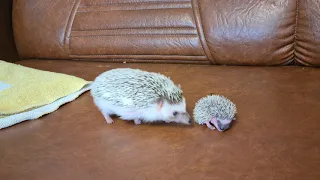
x=246, y=32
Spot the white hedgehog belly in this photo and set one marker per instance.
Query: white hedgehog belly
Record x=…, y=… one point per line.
x=147, y=114
x=126, y=113
x=123, y=112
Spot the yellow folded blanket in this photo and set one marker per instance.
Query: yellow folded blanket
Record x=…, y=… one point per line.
x=24, y=89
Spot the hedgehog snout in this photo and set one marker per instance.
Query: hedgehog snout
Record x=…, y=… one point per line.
x=183, y=118
x=189, y=117
x=223, y=124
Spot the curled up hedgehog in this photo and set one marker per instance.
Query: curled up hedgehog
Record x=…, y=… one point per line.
x=216, y=111
x=138, y=95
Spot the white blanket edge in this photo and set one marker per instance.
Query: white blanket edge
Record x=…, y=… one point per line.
x=43, y=110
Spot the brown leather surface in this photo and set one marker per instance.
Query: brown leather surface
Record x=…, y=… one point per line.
x=107, y=29
x=8, y=49
x=40, y=27
x=276, y=135
x=255, y=32
x=308, y=34
x=248, y=32
x=133, y=28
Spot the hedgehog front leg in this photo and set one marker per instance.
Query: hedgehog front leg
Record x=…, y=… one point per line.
x=137, y=121
x=210, y=126
x=107, y=118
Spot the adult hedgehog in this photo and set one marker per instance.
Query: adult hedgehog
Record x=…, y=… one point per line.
x=133, y=94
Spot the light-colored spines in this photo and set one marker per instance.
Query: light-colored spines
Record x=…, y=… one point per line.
x=213, y=106
x=134, y=88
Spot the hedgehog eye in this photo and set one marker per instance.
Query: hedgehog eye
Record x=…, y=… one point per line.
x=175, y=113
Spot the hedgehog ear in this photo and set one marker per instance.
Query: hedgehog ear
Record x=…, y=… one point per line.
x=160, y=104
x=179, y=86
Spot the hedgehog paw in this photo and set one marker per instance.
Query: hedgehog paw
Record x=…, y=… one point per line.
x=210, y=126
x=137, y=121
x=108, y=119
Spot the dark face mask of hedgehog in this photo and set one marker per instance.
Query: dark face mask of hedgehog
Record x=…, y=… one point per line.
x=219, y=124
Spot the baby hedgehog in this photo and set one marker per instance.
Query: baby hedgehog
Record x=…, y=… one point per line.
x=141, y=96
x=215, y=111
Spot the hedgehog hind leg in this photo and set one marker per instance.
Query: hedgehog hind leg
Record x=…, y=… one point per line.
x=107, y=118
x=105, y=110
x=137, y=121
x=106, y=114
x=210, y=126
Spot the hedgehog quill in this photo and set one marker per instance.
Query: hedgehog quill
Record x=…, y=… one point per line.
x=138, y=95
x=216, y=111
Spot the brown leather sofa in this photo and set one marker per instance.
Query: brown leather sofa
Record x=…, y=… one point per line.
x=271, y=49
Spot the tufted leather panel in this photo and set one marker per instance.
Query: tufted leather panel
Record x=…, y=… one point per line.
x=40, y=27
x=308, y=33
x=247, y=32
x=124, y=29
x=135, y=28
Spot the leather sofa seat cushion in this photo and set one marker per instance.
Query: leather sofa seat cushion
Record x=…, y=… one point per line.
x=276, y=135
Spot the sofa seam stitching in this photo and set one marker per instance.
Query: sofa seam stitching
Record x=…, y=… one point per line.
x=152, y=55
x=67, y=28
x=295, y=31
x=137, y=3
x=139, y=28
x=198, y=22
x=93, y=11
x=138, y=35
x=70, y=21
